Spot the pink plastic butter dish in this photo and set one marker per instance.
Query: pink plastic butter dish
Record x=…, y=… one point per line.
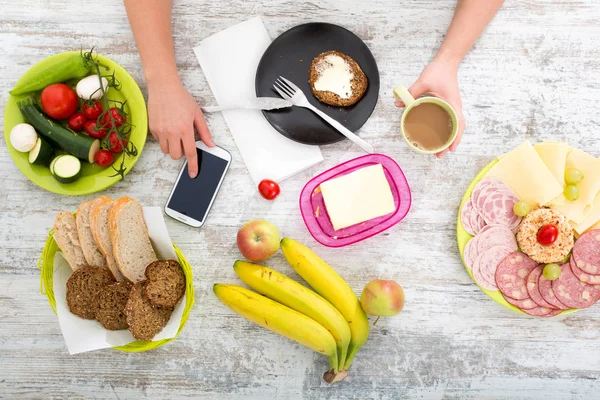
x=315, y=214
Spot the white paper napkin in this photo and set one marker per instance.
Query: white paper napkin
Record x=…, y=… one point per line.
x=83, y=335
x=229, y=60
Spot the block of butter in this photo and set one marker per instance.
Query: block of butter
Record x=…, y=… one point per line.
x=357, y=197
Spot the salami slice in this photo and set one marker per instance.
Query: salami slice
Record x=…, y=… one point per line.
x=586, y=252
x=534, y=290
x=512, y=273
x=584, y=276
x=545, y=288
x=573, y=293
x=526, y=304
x=542, y=312
x=470, y=252
x=497, y=236
x=484, y=267
x=466, y=216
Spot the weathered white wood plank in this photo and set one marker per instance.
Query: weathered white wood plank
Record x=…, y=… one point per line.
x=533, y=75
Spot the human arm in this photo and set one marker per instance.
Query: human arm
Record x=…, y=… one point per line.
x=173, y=113
x=440, y=76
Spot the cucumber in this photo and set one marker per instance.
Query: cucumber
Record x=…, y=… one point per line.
x=42, y=153
x=82, y=147
x=66, y=168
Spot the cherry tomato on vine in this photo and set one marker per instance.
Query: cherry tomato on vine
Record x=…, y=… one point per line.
x=77, y=121
x=104, y=158
x=268, y=189
x=92, y=129
x=117, y=115
x=114, y=144
x=547, y=234
x=92, y=109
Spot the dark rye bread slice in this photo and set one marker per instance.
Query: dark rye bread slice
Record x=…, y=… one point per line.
x=144, y=319
x=82, y=287
x=165, y=283
x=110, y=303
x=358, y=83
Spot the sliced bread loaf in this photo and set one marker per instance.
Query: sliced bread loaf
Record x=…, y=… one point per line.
x=165, y=284
x=99, y=226
x=129, y=237
x=90, y=250
x=67, y=238
x=82, y=287
x=109, y=305
x=144, y=319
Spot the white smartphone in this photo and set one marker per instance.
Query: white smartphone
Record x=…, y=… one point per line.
x=191, y=199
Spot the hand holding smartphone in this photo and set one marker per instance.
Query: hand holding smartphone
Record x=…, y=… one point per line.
x=191, y=198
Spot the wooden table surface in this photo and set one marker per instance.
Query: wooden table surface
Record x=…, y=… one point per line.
x=534, y=75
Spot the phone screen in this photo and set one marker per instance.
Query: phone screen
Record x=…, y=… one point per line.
x=192, y=197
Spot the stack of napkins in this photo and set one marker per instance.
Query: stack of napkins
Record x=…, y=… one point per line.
x=229, y=60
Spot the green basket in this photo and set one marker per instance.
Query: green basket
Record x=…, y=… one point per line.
x=46, y=265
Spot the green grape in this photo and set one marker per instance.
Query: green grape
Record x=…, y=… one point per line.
x=521, y=208
x=571, y=192
x=552, y=271
x=573, y=175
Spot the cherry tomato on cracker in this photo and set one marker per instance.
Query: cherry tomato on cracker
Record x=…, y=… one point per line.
x=77, y=121
x=104, y=158
x=92, y=109
x=92, y=129
x=547, y=235
x=268, y=189
x=114, y=144
x=117, y=115
x=59, y=101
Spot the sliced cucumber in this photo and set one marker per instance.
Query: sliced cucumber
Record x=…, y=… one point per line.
x=42, y=152
x=66, y=168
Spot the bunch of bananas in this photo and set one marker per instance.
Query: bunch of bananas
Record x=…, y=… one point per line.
x=331, y=322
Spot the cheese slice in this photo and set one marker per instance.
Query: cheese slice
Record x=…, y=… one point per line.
x=554, y=155
x=357, y=197
x=577, y=211
x=592, y=219
x=524, y=171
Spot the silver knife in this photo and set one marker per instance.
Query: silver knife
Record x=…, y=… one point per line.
x=260, y=103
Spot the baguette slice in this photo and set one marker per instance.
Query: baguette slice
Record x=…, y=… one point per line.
x=90, y=250
x=129, y=237
x=99, y=226
x=67, y=238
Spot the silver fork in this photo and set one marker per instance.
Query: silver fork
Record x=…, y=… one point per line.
x=291, y=92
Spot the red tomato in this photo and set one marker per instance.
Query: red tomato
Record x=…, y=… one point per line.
x=92, y=109
x=104, y=158
x=77, y=121
x=92, y=129
x=268, y=189
x=59, y=101
x=118, y=116
x=115, y=144
x=547, y=235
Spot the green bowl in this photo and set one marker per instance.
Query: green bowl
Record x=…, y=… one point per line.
x=462, y=237
x=94, y=178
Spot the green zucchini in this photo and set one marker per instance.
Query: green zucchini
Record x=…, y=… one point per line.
x=54, y=70
x=53, y=162
x=82, y=147
x=42, y=152
x=66, y=169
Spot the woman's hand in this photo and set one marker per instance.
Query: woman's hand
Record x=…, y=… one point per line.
x=173, y=114
x=440, y=79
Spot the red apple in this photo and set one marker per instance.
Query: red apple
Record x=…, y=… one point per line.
x=258, y=240
x=382, y=298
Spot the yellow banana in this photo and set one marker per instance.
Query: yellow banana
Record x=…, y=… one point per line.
x=321, y=277
x=279, y=318
x=288, y=292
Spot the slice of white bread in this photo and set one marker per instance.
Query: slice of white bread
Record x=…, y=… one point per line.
x=90, y=250
x=99, y=226
x=67, y=238
x=129, y=236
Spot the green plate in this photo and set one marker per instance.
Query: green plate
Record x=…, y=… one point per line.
x=463, y=237
x=94, y=178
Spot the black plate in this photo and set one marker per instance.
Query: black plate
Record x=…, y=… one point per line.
x=290, y=56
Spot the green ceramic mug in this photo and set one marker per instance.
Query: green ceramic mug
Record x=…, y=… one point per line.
x=410, y=103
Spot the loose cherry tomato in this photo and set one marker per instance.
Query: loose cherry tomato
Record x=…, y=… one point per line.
x=59, y=101
x=268, y=189
x=92, y=129
x=104, y=158
x=115, y=144
x=547, y=234
x=117, y=115
x=92, y=109
x=77, y=121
